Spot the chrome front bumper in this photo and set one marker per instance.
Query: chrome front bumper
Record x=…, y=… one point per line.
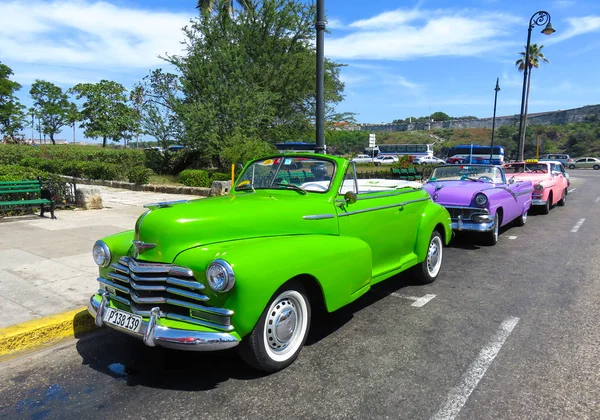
x=461, y=225
x=537, y=202
x=156, y=335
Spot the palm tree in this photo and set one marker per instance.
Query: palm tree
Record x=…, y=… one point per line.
x=207, y=6
x=536, y=56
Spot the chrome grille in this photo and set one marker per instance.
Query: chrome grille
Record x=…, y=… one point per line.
x=143, y=286
x=465, y=213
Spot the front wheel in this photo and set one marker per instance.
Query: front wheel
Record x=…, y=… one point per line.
x=571, y=166
x=428, y=270
x=491, y=238
x=596, y=167
x=281, y=331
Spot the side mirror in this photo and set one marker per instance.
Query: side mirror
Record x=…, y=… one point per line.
x=350, y=197
x=511, y=180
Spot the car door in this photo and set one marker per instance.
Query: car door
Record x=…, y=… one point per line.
x=386, y=219
x=580, y=163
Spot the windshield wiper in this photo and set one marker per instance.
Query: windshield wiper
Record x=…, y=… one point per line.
x=292, y=186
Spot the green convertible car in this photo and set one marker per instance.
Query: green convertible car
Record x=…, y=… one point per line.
x=298, y=231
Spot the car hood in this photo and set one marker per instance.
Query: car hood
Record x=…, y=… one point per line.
x=533, y=177
x=178, y=227
x=456, y=193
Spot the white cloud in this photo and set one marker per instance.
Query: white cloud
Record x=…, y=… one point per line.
x=88, y=34
x=408, y=34
x=577, y=26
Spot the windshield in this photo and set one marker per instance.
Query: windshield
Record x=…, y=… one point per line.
x=288, y=172
x=519, y=168
x=480, y=173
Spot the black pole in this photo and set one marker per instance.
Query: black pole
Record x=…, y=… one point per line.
x=320, y=117
x=538, y=19
x=497, y=88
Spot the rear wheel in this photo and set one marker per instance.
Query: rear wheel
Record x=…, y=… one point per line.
x=522, y=219
x=596, y=167
x=281, y=331
x=428, y=270
x=491, y=238
x=571, y=166
x=563, y=199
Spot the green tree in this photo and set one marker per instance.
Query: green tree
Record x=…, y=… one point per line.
x=208, y=6
x=440, y=116
x=12, y=113
x=252, y=77
x=52, y=105
x=158, y=97
x=105, y=112
x=536, y=56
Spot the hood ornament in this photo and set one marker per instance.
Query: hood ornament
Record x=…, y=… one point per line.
x=141, y=246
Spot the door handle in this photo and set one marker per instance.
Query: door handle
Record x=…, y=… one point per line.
x=401, y=207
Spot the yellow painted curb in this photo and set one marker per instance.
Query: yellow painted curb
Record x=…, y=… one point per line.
x=41, y=331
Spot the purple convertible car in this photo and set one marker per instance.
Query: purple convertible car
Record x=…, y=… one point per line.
x=479, y=198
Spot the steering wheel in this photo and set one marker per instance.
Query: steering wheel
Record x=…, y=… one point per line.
x=312, y=186
x=485, y=179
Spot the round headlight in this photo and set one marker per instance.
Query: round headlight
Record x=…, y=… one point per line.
x=481, y=199
x=101, y=254
x=219, y=276
x=539, y=187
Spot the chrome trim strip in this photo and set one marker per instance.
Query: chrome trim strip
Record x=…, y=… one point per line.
x=399, y=192
x=209, y=324
x=184, y=304
x=118, y=277
x=476, y=227
x=194, y=285
x=537, y=202
x=175, y=338
x=147, y=300
x=383, y=207
x=318, y=216
x=189, y=295
x=119, y=267
x=116, y=286
x=153, y=288
x=525, y=193
x=141, y=278
x=480, y=209
x=216, y=311
x=175, y=270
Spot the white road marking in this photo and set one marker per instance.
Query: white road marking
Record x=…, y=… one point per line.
x=597, y=200
x=459, y=394
x=571, y=190
x=512, y=237
x=418, y=301
x=578, y=225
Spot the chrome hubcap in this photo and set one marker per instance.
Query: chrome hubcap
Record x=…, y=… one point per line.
x=281, y=324
x=496, y=228
x=524, y=217
x=434, y=255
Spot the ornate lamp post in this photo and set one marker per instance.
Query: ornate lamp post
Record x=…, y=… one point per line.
x=320, y=117
x=538, y=19
x=497, y=88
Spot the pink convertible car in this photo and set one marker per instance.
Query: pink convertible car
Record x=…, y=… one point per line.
x=550, y=184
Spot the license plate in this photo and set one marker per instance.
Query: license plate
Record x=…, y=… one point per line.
x=123, y=319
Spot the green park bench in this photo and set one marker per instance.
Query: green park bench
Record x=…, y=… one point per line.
x=23, y=194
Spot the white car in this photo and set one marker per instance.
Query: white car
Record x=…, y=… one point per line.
x=362, y=159
x=385, y=160
x=430, y=160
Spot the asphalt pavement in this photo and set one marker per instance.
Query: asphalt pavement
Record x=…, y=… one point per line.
x=506, y=332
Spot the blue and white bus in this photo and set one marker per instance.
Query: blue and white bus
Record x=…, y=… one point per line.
x=416, y=150
x=474, y=153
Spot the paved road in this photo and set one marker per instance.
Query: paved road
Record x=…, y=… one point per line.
x=511, y=332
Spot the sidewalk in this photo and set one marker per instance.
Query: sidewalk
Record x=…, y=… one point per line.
x=46, y=265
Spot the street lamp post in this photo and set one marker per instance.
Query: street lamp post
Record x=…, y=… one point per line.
x=320, y=117
x=497, y=88
x=538, y=19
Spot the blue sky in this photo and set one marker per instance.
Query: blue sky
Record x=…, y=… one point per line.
x=403, y=59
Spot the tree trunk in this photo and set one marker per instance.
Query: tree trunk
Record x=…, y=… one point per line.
x=103, y=141
x=52, y=139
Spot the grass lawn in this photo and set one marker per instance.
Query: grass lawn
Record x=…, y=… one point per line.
x=164, y=180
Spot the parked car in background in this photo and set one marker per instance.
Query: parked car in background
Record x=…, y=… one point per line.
x=585, y=162
x=550, y=186
x=175, y=148
x=557, y=157
x=479, y=198
x=363, y=159
x=250, y=269
x=385, y=160
x=428, y=160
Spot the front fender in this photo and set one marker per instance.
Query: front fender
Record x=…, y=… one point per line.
x=263, y=265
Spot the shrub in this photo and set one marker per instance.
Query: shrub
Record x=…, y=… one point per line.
x=219, y=176
x=139, y=175
x=194, y=178
x=98, y=170
x=19, y=173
